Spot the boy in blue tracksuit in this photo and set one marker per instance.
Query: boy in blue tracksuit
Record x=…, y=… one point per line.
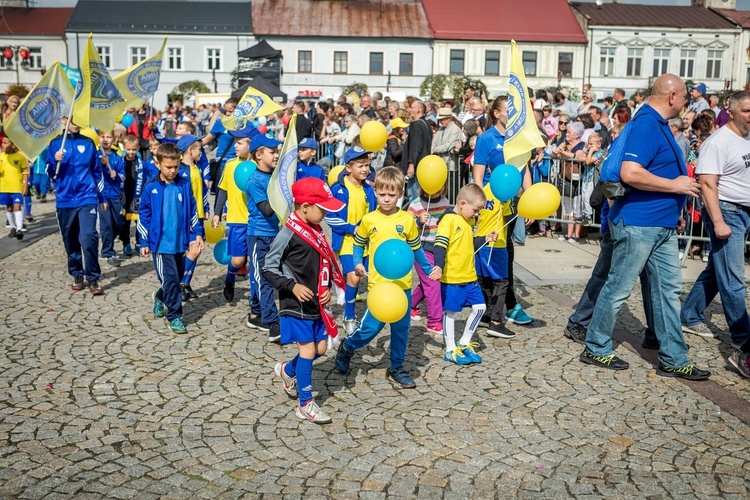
x=168, y=225
x=306, y=166
x=78, y=190
x=113, y=173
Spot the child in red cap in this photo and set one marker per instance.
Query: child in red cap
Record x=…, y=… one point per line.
x=301, y=265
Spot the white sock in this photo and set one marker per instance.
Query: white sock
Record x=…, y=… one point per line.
x=19, y=219
x=11, y=221
x=449, y=322
x=477, y=310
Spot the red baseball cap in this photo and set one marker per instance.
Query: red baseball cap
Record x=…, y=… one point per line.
x=314, y=191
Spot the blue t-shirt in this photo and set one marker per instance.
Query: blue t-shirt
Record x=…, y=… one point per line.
x=171, y=237
x=311, y=170
x=604, y=215
x=223, y=139
x=257, y=189
x=652, y=145
x=489, y=140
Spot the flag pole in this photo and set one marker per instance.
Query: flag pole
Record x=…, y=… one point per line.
x=65, y=134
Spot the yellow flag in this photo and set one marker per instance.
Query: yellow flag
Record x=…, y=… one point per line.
x=100, y=103
x=282, y=178
x=522, y=135
x=355, y=99
x=254, y=103
x=138, y=83
x=39, y=118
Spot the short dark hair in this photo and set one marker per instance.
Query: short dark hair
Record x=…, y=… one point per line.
x=167, y=151
x=232, y=100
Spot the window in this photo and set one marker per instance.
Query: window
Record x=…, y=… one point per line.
x=105, y=54
x=174, y=58
x=213, y=59
x=661, y=62
x=635, y=58
x=304, y=61
x=35, y=58
x=340, y=62
x=607, y=61
x=687, y=63
x=529, y=63
x=376, y=63
x=565, y=64
x=492, y=62
x=457, y=62
x=713, y=63
x=138, y=54
x=406, y=63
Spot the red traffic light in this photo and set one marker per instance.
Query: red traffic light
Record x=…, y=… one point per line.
x=7, y=52
x=24, y=53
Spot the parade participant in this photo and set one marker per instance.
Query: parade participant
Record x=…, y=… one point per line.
x=113, y=173
x=306, y=166
x=14, y=176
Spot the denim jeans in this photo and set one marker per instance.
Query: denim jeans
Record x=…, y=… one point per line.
x=724, y=274
x=519, y=231
x=636, y=249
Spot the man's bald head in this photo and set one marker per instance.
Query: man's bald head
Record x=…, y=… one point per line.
x=667, y=83
x=669, y=95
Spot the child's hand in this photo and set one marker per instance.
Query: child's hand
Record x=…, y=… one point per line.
x=59, y=155
x=105, y=160
x=491, y=237
x=325, y=297
x=303, y=293
x=200, y=243
x=144, y=251
x=112, y=174
x=359, y=270
x=436, y=273
x=424, y=217
x=207, y=216
x=215, y=221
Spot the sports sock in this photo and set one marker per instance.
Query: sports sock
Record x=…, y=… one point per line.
x=27, y=205
x=231, y=272
x=291, y=367
x=449, y=324
x=11, y=219
x=19, y=219
x=351, y=298
x=189, y=267
x=472, y=322
x=304, y=380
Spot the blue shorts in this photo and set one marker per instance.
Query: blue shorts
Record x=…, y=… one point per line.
x=237, y=240
x=456, y=297
x=9, y=199
x=497, y=269
x=347, y=263
x=295, y=330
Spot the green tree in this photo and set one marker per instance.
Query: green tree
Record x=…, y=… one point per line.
x=18, y=90
x=188, y=89
x=441, y=87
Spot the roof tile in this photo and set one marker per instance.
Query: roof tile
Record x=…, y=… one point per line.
x=611, y=14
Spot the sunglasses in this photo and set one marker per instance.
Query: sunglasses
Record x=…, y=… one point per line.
x=563, y=123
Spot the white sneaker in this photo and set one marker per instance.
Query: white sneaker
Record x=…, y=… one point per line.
x=700, y=329
x=681, y=255
x=562, y=237
x=705, y=257
x=312, y=412
x=289, y=383
x=349, y=326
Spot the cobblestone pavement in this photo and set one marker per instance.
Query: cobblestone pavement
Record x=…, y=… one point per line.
x=98, y=399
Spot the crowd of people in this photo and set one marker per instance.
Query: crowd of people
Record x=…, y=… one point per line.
x=156, y=171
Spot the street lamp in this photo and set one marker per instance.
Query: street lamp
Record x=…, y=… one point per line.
x=11, y=54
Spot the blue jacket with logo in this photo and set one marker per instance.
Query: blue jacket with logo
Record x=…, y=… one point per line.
x=338, y=220
x=112, y=187
x=79, y=181
x=151, y=214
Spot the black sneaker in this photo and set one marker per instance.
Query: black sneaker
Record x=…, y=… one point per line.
x=610, y=362
x=190, y=291
x=185, y=293
x=43, y=199
x=400, y=377
x=274, y=333
x=19, y=234
x=94, y=288
x=257, y=323
x=650, y=344
x=29, y=218
x=12, y=233
x=343, y=358
x=229, y=291
x=689, y=372
x=499, y=330
x=77, y=283
x=576, y=333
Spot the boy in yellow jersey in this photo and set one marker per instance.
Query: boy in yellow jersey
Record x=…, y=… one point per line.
x=234, y=197
x=454, y=256
x=190, y=147
x=14, y=177
x=385, y=223
x=492, y=262
x=359, y=198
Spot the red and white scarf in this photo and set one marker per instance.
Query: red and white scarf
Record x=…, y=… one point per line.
x=313, y=236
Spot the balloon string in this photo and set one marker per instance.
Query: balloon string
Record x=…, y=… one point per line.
x=487, y=242
x=428, y=219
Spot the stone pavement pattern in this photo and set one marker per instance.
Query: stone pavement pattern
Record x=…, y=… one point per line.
x=98, y=399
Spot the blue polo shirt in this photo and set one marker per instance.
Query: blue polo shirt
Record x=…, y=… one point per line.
x=652, y=145
x=489, y=140
x=257, y=191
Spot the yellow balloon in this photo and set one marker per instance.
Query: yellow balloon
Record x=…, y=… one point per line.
x=91, y=134
x=333, y=174
x=387, y=302
x=432, y=174
x=213, y=235
x=373, y=136
x=539, y=201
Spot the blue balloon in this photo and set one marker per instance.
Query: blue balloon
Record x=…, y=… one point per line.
x=127, y=120
x=256, y=123
x=220, y=253
x=393, y=259
x=505, y=182
x=242, y=173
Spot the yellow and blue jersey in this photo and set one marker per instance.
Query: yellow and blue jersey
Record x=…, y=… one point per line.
x=236, y=199
x=492, y=218
x=13, y=166
x=456, y=236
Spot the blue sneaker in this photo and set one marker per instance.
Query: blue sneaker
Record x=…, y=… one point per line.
x=159, y=307
x=518, y=317
x=177, y=327
x=127, y=250
x=400, y=377
x=469, y=352
x=457, y=356
x=343, y=358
